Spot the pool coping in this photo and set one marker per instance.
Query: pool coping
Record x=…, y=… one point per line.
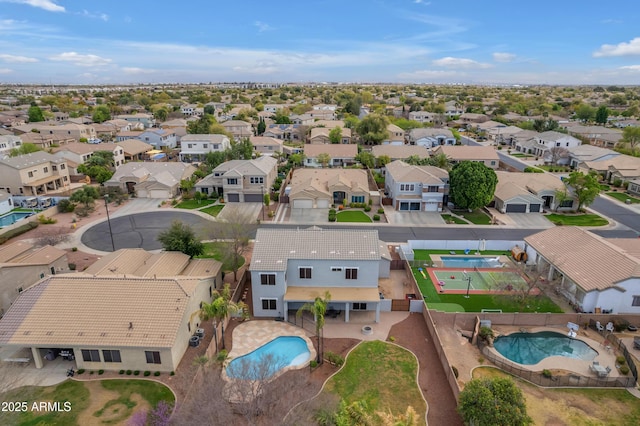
x=250, y=335
x=436, y=260
x=605, y=356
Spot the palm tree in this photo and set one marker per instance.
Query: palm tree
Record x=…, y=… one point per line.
x=318, y=308
x=219, y=309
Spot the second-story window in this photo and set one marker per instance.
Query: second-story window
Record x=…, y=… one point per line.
x=232, y=181
x=305, y=272
x=351, y=273
x=407, y=187
x=432, y=188
x=46, y=170
x=30, y=174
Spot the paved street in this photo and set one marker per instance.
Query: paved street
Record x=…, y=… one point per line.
x=627, y=216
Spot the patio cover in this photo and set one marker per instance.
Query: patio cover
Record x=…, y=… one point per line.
x=338, y=294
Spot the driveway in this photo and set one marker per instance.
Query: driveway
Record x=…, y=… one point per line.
x=137, y=205
x=522, y=220
x=235, y=210
x=140, y=230
x=309, y=216
x=395, y=217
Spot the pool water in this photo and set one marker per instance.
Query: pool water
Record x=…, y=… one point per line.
x=470, y=262
x=11, y=218
x=531, y=348
x=270, y=358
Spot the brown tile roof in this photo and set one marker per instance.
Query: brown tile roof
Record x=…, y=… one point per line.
x=134, y=146
x=464, y=152
x=41, y=256
x=589, y=260
x=400, y=151
x=9, y=251
x=79, y=310
x=334, y=150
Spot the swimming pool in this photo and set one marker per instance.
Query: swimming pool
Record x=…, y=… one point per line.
x=470, y=262
x=531, y=348
x=268, y=359
x=11, y=218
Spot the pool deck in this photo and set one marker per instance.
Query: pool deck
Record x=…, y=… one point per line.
x=606, y=355
x=438, y=262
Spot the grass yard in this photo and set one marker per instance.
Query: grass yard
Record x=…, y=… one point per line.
x=381, y=374
x=215, y=250
x=604, y=187
x=554, y=168
x=621, y=196
x=520, y=155
x=213, y=210
x=477, y=217
x=577, y=219
x=93, y=402
x=353, y=216
x=450, y=218
x=193, y=204
x=615, y=407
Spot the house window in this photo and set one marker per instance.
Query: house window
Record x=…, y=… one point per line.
x=359, y=306
x=90, y=355
x=232, y=181
x=566, y=203
x=111, y=356
x=205, y=146
x=46, y=170
x=336, y=269
x=407, y=187
x=557, y=143
x=636, y=301
x=351, y=273
x=268, y=279
x=493, y=163
x=256, y=180
x=153, y=357
x=269, y=304
x=189, y=145
x=30, y=174
x=357, y=198
x=64, y=178
x=305, y=272
x=432, y=188
x=61, y=166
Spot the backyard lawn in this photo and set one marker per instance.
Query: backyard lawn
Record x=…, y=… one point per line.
x=353, y=216
x=450, y=218
x=477, y=217
x=621, y=196
x=213, y=210
x=577, y=219
x=215, y=250
x=384, y=376
x=92, y=402
x=573, y=406
x=193, y=204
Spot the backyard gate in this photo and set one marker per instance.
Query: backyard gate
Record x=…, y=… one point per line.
x=400, y=304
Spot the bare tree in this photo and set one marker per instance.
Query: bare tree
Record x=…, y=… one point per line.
x=235, y=235
x=50, y=236
x=557, y=153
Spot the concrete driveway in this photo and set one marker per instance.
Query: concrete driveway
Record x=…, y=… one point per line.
x=395, y=217
x=235, y=210
x=309, y=216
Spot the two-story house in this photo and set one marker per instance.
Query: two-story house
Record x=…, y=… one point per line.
x=241, y=180
x=73, y=131
x=196, y=147
x=147, y=120
x=320, y=135
x=287, y=132
x=553, y=146
x=291, y=267
x=37, y=173
x=135, y=149
x=339, y=155
x=7, y=143
x=422, y=116
x=395, y=135
x=416, y=188
x=78, y=153
x=429, y=137
x=159, y=138
x=238, y=129
x=483, y=154
x=266, y=145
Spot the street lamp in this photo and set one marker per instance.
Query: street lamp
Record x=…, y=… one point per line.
x=262, y=191
x=106, y=202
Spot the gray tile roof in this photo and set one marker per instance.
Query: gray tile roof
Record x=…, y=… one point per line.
x=33, y=159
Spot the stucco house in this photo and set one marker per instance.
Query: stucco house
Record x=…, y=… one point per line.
x=634, y=187
x=429, y=137
x=396, y=135
x=292, y=267
x=241, y=181
x=483, y=154
x=400, y=152
x=130, y=310
x=266, y=145
x=583, y=153
x=151, y=179
x=594, y=273
x=6, y=203
x=22, y=264
x=416, y=188
x=530, y=193
x=196, y=147
x=134, y=149
x=146, y=120
x=319, y=188
x=79, y=153
x=238, y=129
x=287, y=132
x=61, y=131
x=159, y=138
x=7, y=143
x=339, y=155
x=37, y=173
x=320, y=135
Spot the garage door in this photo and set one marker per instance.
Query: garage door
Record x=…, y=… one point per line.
x=233, y=198
x=141, y=193
x=302, y=204
x=323, y=204
x=159, y=193
x=404, y=206
x=253, y=198
x=414, y=206
x=516, y=208
x=534, y=208
x=431, y=207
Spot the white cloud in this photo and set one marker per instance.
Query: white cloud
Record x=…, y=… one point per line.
x=17, y=59
x=631, y=67
x=137, y=71
x=48, y=5
x=81, y=60
x=451, y=62
x=88, y=14
x=426, y=3
x=5, y=70
x=262, y=26
x=620, y=49
x=503, y=57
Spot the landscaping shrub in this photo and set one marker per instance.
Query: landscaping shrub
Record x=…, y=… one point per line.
x=617, y=183
x=173, y=373
x=91, y=372
x=485, y=333
x=533, y=170
x=128, y=372
x=624, y=370
x=17, y=231
x=313, y=363
x=332, y=211
x=157, y=373
x=74, y=249
x=121, y=372
x=136, y=373
x=620, y=360
x=367, y=208
x=376, y=217
x=66, y=206
x=334, y=358
x=100, y=371
x=147, y=373
x=380, y=210
x=620, y=324
x=81, y=371
x=392, y=339
x=546, y=373
x=46, y=220
x=222, y=356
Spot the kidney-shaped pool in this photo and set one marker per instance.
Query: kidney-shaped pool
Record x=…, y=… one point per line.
x=531, y=348
x=268, y=359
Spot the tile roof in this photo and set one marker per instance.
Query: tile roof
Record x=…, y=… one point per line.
x=321, y=179
x=40, y=256
x=85, y=148
x=403, y=172
x=274, y=247
x=13, y=250
x=535, y=182
x=79, y=310
x=333, y=149
x=590, y=261
x=464, y=152
x=400, y=151
x=135, y=146
x=178, y=171
x=28, y=160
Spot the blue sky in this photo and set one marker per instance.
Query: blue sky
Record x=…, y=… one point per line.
x=407, y=41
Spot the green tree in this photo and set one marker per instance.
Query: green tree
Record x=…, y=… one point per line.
x=209, y=109
x=214, y=159
x=219, y=309
x=440, y=160
x=261, y=126
x=161, y=114
x=585, y=113
x=631, y=136
x=296, y=159
x=282, y=117
x=186, y=185
x=602, y=114
x=493, y=402
x=472, y=184
x=335, y=135
x=323, y=158
x=100, y=174
x=25, y=148
x=373, y=129
x=35, y=114
x=560, y=196
x=86, y=195
x=101, y=114
x=585, y=187
x=242, y=150
x=318, y=308
x=367, y=159
x=382, y=161
x=206, y=124
x=180, y=237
